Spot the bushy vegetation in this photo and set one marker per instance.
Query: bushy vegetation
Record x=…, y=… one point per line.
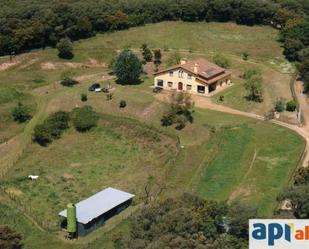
x=122, y=104
x=253, y=85
x=221, y=61
x=65, y=49
x=84, y=118
x=147, y=54
x=180, y=110
x=51, y=128
x=21, y=113
x=69, y=82
x=280, y=105
x=128, y=67
x=188, y=222
x=298, y=194
x=291, y=106
x=9, y=239
x=83, y=97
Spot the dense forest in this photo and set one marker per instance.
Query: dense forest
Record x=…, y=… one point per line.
x=31, y=24
x=188, y=222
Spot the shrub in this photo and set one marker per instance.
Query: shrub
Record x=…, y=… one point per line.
x=65, y=49
x=147, y=54
x=245, y=56
x=21, y=113
x=51, y=128
x=109, y=96
x=84, y=118
x=291, y=106
x=69, y=82
x=180, y=111
x=253, y=85
x=251, y=72
x=122, y=104
x=83, y=97
x=9, y=239
x=280, y=105
x=221, y=61
x=221, y=98
x=42, y=134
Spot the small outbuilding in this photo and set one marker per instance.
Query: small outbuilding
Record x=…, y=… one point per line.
x=91, y=213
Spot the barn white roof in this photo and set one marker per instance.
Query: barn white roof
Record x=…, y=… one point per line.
x=98, y=204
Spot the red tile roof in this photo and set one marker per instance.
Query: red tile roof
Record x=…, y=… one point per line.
x=206, y=72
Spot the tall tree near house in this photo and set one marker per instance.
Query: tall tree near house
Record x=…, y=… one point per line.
x=147, y=54
x=157, y=58
x=128, y=67
x=65, y=49
x=253, y=86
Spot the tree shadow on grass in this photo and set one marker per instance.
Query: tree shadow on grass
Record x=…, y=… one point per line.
x=129, y=83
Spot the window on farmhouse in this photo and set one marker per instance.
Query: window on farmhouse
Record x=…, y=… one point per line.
x=160, y=83
x=180, y=73
x=171, y=74
x=170, y=84
x=189, y=87
x=200, y=89
x=189, y=76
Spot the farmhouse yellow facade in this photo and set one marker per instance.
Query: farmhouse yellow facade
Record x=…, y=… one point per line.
x=196, y=77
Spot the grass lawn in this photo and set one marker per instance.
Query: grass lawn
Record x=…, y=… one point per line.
x=224, y=156
x=252, y=162
x=9, y=98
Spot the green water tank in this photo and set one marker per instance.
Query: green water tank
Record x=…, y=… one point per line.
x=71, y=218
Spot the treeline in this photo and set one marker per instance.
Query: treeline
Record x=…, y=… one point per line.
x=32, y=24
x=188, y=222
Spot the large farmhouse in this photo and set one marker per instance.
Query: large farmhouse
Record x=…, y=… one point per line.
x=194, y=76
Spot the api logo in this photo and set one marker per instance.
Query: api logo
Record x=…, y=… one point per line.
x=278, y=234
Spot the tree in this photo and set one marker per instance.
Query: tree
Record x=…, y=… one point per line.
x=51, y=128
x=180, y=111
x=301, y=176
x=253, y=85
x=157, y=58
x=21, y=113
x=84, y=118
x=119, y=20
x=42, y=135
x=291, y=106
x=147, y=54
x=221, y=61
x=280, y=105
x=299, y=198
x=127, y=67
x=9, y=239
x=285, y=17
x=238, y=215
x=292, y=48
x=65, y=49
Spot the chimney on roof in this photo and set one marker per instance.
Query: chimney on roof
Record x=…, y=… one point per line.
x=195, y=69
x=183, y=61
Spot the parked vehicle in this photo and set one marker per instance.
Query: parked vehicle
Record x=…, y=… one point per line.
x=95, y=87
x=157, y=89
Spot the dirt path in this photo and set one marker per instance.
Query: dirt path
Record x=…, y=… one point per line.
x=204, y=102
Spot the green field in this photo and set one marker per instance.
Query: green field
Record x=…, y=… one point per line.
x=220, y=156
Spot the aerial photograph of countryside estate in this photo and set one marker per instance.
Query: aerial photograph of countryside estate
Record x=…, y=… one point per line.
x=154, y=124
